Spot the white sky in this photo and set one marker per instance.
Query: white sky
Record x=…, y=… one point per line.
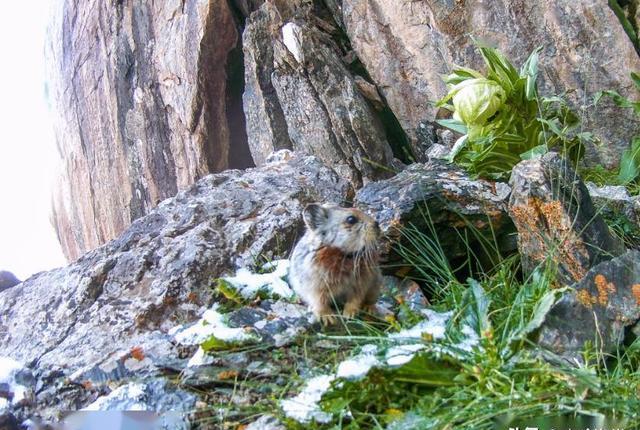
x=28, y=156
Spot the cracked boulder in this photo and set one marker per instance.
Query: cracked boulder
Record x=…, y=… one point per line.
x=300, y=93
x=556, y=220
x=597, y=311
x=438, y=197
x=104, y=316
x=140, y=98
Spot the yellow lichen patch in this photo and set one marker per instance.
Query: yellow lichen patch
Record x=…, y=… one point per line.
x=635, y=290
x=586, y=299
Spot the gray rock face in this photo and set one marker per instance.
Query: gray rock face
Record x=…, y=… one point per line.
x=602, y=305
x=140, y=108
x=158, y=272
x=266, y=422
x=612, y=200
x=556, y=220
x=299, y=93
x=447, y=196
x=266, y=125
x=407, y=45
x=7, y=280
x=8, y=422
x=172, y=404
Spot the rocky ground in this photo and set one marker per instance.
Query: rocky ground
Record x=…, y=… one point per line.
x=194, y=133
x=161, y=320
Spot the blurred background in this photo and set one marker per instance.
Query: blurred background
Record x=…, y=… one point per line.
x=28, y=155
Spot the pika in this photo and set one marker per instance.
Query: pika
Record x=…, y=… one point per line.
x=336, y=261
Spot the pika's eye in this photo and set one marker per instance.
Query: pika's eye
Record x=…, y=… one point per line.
x=351, y=220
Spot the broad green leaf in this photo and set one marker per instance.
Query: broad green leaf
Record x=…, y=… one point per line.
x=454, y=125
x=636, y=79
x=541, y=310
x=535, y=152
x=476, y=313
x=424, y=369
x=530, y=70
x=457, y=147
x=630, y=163
x=500, y=67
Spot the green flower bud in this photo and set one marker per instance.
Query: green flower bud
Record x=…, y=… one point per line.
x=476, y=100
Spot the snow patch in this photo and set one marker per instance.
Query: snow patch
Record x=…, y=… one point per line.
x=434, y=325
x=249, y=284
x=9, y=371
x=357, y=367
x=290, y=37
x=212, y=324
x=130, y=397
x=305, y=406
x=200, y=358
x=402, y=354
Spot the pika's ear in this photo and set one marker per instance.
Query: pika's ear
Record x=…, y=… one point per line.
x=314, y=216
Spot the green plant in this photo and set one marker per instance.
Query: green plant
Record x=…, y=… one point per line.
x=629, y=171
x=502, y=118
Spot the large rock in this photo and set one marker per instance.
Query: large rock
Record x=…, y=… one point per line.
x=439, y=197
x=615, y=201
x=556, y=220
x=8, y=421
x=7, y=280
x=597, y=310
x=406, y=46
x=300, y=93
x=140, y=97
x=114, y=302
x=266, y=125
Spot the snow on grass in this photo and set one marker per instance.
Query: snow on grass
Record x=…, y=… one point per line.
x=402, y=354
x=212, y=325
x=470, y=341
x=249, y=285
x=305, y=406
x=399, y=349
x=9, y=371
x=357, y=367
x=435, y=325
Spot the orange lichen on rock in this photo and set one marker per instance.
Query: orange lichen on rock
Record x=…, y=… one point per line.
x=635, y=290
x=137, y=353
x=227, y=374
x=586, y=299
x=604, y=289
x=545, y=229
x=555, y=216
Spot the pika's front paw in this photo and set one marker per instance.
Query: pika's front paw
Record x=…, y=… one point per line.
x=327, y=319
x=350, y=310
x=371, y=309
